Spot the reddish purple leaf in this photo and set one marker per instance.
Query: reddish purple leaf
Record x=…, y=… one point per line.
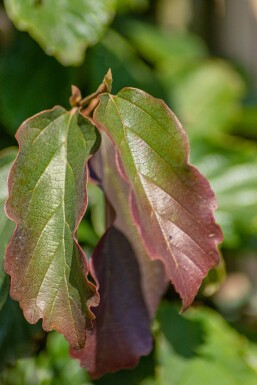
x=172, y=202
x=105, y=165
x=130, y=284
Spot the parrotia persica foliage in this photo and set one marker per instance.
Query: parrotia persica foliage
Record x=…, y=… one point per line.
x=160, y=224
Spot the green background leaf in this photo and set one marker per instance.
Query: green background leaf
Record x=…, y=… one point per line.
x=215, y=90
x=200, y=348
x=206, y=94
x=63, y=28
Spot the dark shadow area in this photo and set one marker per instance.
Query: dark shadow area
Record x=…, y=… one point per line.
x=17, y=337
x=143, y=370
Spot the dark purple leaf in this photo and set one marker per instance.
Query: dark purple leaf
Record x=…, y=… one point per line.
x=130, y=284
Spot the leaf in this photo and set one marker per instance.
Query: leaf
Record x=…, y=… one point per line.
x=130, y=285
x=86, y=234
x=64, y=29
x=53, y=364
x=172, y=202
x=97, y=209
x=215, y=90
x=114, y=343
x=6, y=226
x=213, y=87
x=47, y=199
x=105, y=166
x=218, y=353
x=157, y=45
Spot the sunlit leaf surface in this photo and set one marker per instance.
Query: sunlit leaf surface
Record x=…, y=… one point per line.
x=47, y=187
x=105, y=165
x=130, y=284
x=172, y=202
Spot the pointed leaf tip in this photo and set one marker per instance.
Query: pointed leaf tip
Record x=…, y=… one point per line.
x=172, y=202
x=47, y=199
x=108, y=80
x=75, y=96
x=106, y=85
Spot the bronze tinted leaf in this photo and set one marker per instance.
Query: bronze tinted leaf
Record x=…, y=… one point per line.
x=130, y=284
x=172, y=202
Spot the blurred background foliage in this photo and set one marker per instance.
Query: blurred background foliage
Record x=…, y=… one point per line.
x=182, y=51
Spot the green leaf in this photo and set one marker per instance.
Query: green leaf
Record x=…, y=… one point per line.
x=47, y=199
x=86, y=234
x=215, y=90
x=97, y=209
x=64, y=29
x=171, y=201
x=6, y=226
x=158, y=46
x=218, y=355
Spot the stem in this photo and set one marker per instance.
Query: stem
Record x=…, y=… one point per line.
x=90, y=108
x=89, y=103
x=84, y=102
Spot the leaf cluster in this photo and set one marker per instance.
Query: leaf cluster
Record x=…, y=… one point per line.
x=159, y=222
x=107, y=206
